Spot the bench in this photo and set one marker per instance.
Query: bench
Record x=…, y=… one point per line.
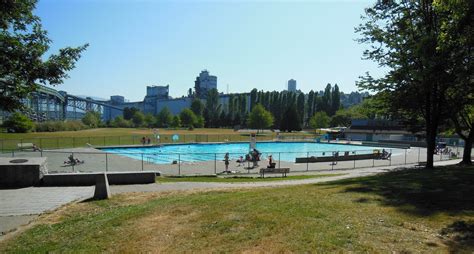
x=282, y=171
x=347, y=157
x=22, y=146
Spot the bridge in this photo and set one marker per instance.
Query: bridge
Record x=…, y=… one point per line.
x=49, y=104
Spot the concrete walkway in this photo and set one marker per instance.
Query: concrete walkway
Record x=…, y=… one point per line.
x=20, y=206
x=180, y=186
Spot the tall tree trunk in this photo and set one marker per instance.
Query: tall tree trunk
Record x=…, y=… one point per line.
x=466, y=157
x=431, y=145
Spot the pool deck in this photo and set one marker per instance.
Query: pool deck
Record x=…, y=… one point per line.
x=100, y=161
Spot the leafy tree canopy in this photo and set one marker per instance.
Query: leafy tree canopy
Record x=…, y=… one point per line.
x=24, y=44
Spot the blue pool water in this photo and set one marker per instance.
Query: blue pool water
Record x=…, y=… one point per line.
x=285, y=151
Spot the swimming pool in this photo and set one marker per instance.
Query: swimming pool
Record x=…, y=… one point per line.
x=285, y=151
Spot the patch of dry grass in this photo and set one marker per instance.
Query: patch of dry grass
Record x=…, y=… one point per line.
x=349, y=215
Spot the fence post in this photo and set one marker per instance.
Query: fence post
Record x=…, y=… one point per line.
x=419, y=149
x=179, y=164
x=41, y=143
x=390, y=159
x=279, y=160
x=73, y=162
x=142, y=161
x=106, y=163
x=354, y=163
x=215, y=163
x=307, y=161
x=41, y=152
x=405, y=156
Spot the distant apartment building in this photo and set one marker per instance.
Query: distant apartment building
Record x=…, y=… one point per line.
x=204, y=82
x=291, y=85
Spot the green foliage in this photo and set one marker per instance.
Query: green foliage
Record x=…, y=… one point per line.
x=24, y=44
x=138, y=119
x=176, y=122
x=164, y=118
x=150, y=121
x=260, y=118
x=18, y=122
x=91, y=119
x=120, y=122
x=319, y=120
x=129, y=112
x=188, y=118
x=213, y=108
x=291, y=120
x=200, y=122
x=52, y=126
x=197, y=107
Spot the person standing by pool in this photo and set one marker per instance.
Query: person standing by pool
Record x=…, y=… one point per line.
x=226, y=162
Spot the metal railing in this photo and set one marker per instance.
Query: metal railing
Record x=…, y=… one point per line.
x=213, y=163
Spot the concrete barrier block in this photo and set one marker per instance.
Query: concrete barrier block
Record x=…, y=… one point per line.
x=102, y=190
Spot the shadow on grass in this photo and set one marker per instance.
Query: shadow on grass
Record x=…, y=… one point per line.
x=421, y=192
x=425, y=192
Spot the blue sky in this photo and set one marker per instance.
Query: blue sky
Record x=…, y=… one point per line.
x=246, y=44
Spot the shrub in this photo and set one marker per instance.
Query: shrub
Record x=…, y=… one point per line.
x=18, y=122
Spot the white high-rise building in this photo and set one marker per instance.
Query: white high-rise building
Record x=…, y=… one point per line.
x=291, y=85
x=204, y=82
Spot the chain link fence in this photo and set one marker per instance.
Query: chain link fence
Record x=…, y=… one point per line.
x=214, y=163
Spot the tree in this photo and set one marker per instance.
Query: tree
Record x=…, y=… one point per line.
x=197, y=107
x=91, y=119
x=176, y=122
x=253, y=98
x=23, y=64
x=164, y=118
x=138, y=119
x=213, y=108
x=319, y=120
x=335, y=99
x=200, y=122
x=300, y=110
x=309, y=106
x=120, y=122
x=457, y=37
x=291, y=120
x=406, y=38
x=260, y=118
x=18, y=122
x=326, y=100
x=150, y=120
x=188, y=118
x=129, y=112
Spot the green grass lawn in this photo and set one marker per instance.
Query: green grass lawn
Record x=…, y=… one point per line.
x=237, y=179
x=428, y=211
x=123, y=136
